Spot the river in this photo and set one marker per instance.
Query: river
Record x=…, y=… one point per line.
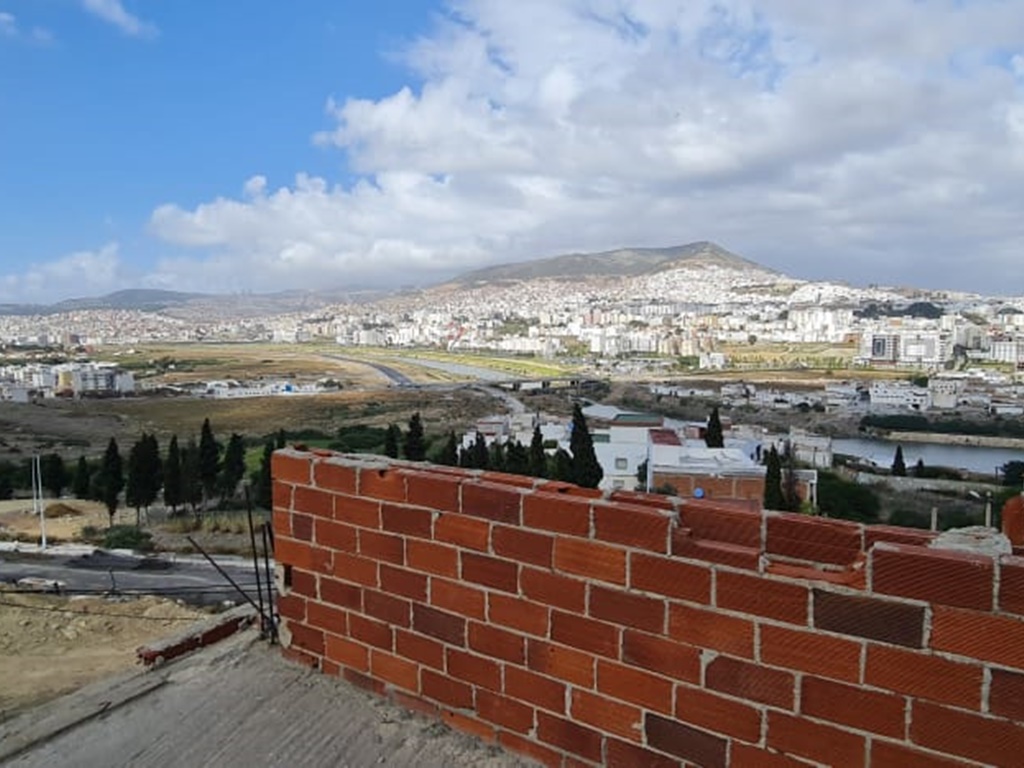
x=969, y=457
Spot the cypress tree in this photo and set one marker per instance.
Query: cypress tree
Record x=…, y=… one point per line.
x=80, y=485
x=154, y=470
x=517, y=460
x=496, y=458
x=899, y=467
x=415, y=447
x=586, y=470
x=135, y=491
x=392, y=437
x=172, y=476
x=53, y=473
x=234, y=466
x=208, y=461
x=713, y=436
x=773, y=496
x=561, y=466
x=264, y=480
x=191, y=476
x=479, y=457
x=450, y=453
x=538, y=457
x=110, y=479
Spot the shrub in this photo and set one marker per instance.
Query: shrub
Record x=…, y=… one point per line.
x=127, y=537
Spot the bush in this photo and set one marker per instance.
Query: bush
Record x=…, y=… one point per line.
x=847, y=500
x=127, y=537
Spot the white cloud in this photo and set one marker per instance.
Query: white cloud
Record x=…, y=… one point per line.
x=822, y=138
x=8, y=25
x=113, y=12
x=84, y=273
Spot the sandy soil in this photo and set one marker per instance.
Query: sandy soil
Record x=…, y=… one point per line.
x=18, y=520
x=51, y=645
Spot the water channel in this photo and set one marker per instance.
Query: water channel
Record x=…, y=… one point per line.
x=972, y=458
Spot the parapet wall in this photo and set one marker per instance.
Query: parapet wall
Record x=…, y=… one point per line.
x=636, y=630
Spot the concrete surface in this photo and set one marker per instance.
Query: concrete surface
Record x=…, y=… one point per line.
x=239, y=703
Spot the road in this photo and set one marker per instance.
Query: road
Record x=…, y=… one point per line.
x=397, y=378
x=195, y=583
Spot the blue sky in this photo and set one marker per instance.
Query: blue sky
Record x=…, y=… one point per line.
x=261, y=145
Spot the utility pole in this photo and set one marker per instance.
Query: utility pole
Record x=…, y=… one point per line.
x=37, y=498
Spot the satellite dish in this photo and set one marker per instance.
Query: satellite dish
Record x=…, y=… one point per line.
x=698, y=493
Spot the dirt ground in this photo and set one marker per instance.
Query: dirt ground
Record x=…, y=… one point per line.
x=18, y=521
x=51, y=645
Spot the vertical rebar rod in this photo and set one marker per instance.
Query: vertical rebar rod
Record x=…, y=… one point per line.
x=256, y=561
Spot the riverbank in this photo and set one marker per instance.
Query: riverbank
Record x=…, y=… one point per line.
x=939, y=438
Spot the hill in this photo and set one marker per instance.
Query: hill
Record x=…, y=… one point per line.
x=625, y=262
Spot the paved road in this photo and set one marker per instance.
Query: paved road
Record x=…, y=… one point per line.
x=397, y=378
x=196, y=583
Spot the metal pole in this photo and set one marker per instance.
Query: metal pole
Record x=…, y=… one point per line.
x=223, y=573
x=935, y=518
x=265, y=530
x=988, y=509
x=255, y=557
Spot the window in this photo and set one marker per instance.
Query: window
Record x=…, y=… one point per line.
x=621, y=463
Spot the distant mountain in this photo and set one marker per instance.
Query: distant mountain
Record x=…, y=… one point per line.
x=625, y=262
x=143, y=299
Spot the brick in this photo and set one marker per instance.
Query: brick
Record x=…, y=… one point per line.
x=746, y=756
x=585, y=634
x=299, y=554
x=602, y=562
x=428, y=489
x=887, y=755
x=367, y=683
x=554, y=589
x=407, y=520
x=305, y=583
x=711, y=712
x=386, y=608
x=691, y=744
x=438, y=624
x=348, y=653
x=415, y=704
x=627, y=609
x=821, y=743
x=642, y=499
x=364, y=513
x=299, y=656
x=394, y=670
x=635, y=686
x=338, y=536
x=632, y=526
x=327, y=618
x=444, y=689
x=340, y=594
x=458, y=598
x=492, y=502
x=811, y=652
x=357, y=570
x=872, y=711
x=468, y=725
x=281, y=496
x=531, y=749
x=523, y=685
x=717, y=552
x=710, y=629
x=371, y=632
x=924, y=676
x=569, y=737
x=426, y=556
x=281, y=520
x=947, y=578
x=760, y=596
x=292, y=608
x=562, y=488
x=302, y=527
x=895, y=534
x=952, y=732
x=997, y=639
x=490, y=572
x=718, y=523
x=882, y=620
x=558, y=514
x=670, y=577
x=334, y=476
x=383, y=484
x=566, y=664
x=746, y=680
x=307, y=639
x=504, y=712
x=523, y=546
x=607, y=716
x=424, y=650
x=468, y=532
x=291, y=467
x=313, y=502
x=817, y=540
x=382, y=546
x=1011, y=585
x=497, y=643
x=519, y=614
x=1006, y=696
x=473, y=669
x=680, y=662
x=403, y=582
x=622, y=754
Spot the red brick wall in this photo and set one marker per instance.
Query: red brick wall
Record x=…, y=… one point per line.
x=588, y=630
x=714, y=487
